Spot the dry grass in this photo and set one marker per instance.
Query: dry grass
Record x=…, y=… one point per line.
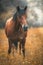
x=34, y=49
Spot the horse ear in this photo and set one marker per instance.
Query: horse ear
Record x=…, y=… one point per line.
x=18, y=8
x=25, y=8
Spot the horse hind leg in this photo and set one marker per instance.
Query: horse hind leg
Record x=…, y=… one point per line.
x=16, y=44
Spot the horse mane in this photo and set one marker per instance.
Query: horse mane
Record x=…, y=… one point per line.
x=17, y=24
x=15, y=17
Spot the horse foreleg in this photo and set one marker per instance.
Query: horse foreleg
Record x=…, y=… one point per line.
x=20, y=48
x=10, y=45
x=23, y=47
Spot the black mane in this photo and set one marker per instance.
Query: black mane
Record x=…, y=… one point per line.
x=18, y=25
x=15, y=16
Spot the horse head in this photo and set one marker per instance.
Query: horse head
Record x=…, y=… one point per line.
x=21, y=15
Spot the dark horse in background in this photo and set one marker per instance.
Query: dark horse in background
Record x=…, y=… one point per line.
x=16, y=31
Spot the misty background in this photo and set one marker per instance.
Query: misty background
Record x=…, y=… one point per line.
x=34, y=11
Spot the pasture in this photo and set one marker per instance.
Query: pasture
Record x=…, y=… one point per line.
x=34, y=49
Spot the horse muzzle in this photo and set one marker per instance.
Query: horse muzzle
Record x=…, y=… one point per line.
x=25, y=27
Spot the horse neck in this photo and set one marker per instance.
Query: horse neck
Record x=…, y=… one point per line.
x=17, y=25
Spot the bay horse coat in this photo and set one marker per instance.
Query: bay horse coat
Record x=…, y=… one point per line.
x=14, y=30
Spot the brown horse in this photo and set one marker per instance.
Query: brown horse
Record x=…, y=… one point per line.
x=14, y=30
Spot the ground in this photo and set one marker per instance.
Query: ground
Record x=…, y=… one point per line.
x=33, y=46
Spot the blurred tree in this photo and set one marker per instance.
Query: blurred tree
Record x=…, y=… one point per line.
x=1, y=8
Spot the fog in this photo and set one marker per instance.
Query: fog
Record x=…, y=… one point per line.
x=34, y=11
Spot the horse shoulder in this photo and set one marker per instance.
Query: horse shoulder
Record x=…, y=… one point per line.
x=9, y=27
x=8, y=22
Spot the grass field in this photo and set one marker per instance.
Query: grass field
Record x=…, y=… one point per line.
x=34, y=49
